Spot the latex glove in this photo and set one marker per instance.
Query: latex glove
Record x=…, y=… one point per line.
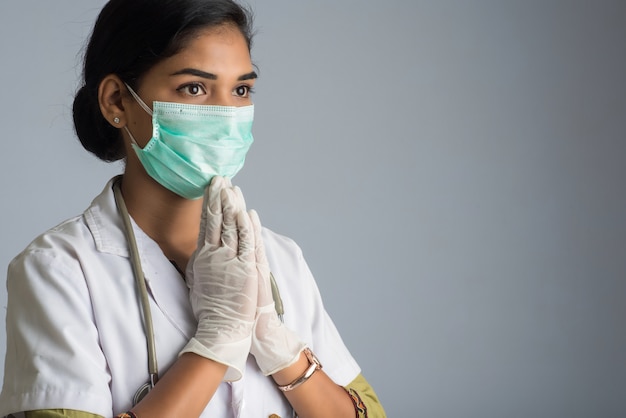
x=274, y=346
x=222, y=279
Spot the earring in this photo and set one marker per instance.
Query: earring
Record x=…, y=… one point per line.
x=116, y=119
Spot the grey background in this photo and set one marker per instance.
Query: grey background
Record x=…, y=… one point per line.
x=453, y=171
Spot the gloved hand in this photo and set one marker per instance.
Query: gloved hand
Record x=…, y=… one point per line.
x=222, y=279
x=274, y=346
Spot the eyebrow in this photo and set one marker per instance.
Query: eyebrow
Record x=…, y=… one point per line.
x=210, y=76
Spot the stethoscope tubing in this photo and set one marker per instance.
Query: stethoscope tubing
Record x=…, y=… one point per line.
x=153, y=368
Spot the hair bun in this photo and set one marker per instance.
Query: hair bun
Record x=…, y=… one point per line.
x=94, y=132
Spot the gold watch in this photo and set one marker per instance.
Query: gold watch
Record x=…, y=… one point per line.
x=314, y=365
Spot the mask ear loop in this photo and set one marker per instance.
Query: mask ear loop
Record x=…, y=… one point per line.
x=138, y=100
x=143, y=105
x=132, y=138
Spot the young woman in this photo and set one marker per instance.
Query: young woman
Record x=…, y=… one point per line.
x=167, y=260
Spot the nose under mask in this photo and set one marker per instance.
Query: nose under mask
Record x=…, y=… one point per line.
x=191, y=144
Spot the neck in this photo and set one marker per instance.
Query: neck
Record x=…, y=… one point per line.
x=170, y=220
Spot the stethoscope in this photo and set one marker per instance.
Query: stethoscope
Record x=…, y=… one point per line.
x=153, y=368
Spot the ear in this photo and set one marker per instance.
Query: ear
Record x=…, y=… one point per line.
x=110, y=93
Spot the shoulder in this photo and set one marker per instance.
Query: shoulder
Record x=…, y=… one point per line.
x=66, y=234
x=48, y=275
x=275, y=242
x=58, y=249
x=57, y=245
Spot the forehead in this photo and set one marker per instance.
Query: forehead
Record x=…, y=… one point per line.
x=221, y=51
x=223, y=43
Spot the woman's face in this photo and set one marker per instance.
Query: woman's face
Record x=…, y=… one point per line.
x=213, y=69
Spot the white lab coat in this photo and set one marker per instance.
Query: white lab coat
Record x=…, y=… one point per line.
x=75, y=337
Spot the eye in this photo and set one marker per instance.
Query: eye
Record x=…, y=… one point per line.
x=192, y=89
x=243, y=91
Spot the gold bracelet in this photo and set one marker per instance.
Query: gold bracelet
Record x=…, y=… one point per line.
x=314, y=365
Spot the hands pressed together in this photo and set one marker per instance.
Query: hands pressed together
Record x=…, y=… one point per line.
x=231, y=296
x=230, y=290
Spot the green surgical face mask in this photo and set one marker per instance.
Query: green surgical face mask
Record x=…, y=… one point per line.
x=191, y=144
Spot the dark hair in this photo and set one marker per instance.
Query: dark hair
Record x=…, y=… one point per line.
x=130, y=37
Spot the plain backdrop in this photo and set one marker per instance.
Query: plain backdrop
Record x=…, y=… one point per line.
x=453, y=170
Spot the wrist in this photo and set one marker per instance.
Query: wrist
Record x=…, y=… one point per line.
x=232, y=355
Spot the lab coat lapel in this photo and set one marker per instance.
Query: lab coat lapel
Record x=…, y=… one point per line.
x=168, y=289
x=165, y=284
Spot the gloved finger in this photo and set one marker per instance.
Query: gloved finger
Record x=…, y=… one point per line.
x=246, y=250
x=230, y=235
x=239, y=199
x=259, y=247
x=211, y=219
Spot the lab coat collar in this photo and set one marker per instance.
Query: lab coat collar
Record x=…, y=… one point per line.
x=168, y=289
x=105, y=223
x=107, y=227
